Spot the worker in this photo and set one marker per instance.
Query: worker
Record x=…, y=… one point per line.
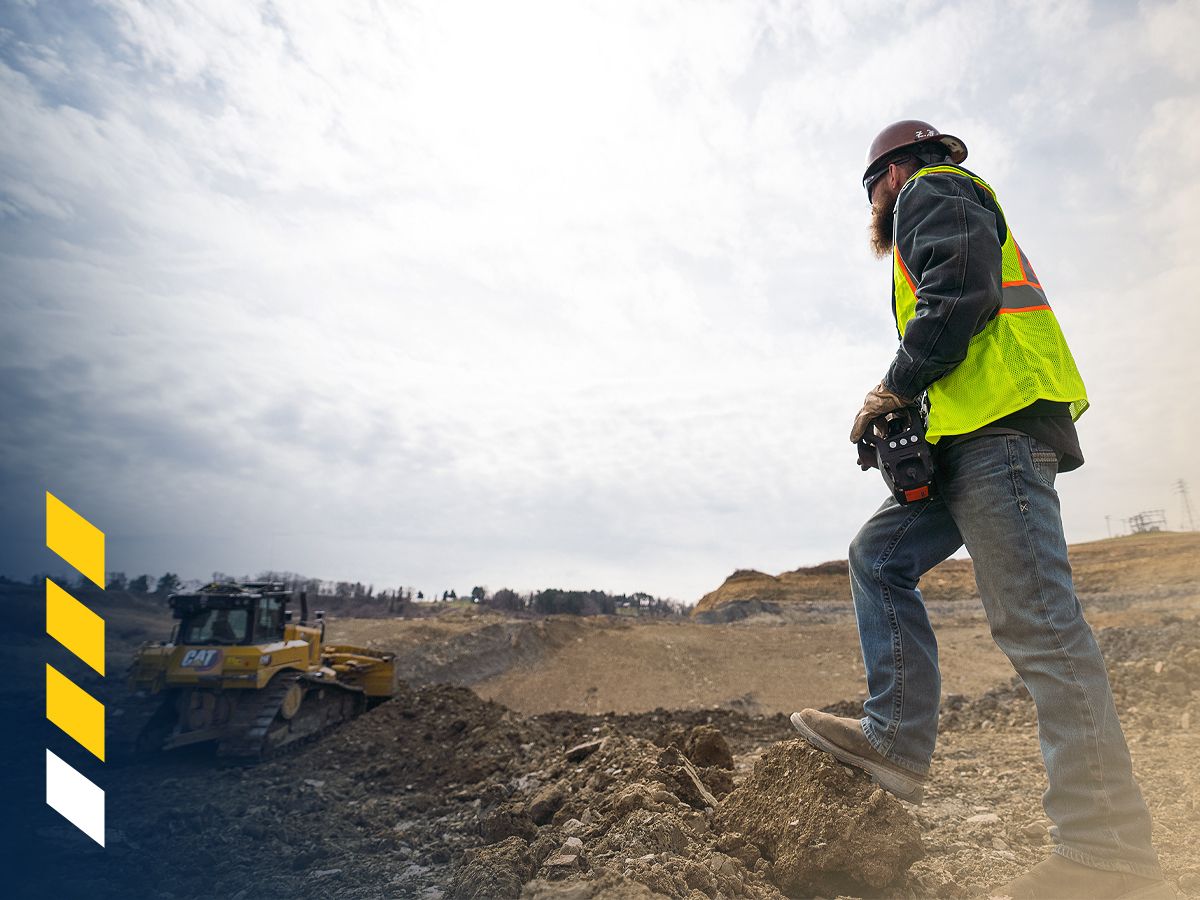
x=981, y=350
x=222, y=629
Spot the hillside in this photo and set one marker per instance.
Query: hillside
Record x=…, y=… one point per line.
x=1112, y=566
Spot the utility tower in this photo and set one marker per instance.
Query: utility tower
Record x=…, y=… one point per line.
x=1182, y=490
x=1150, y=520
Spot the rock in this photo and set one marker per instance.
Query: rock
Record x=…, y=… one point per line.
x=548, y=843
x=572, y=826
x=547, y=802
x=1189, y=882
x=506, y=821
x=497, y=870
x=636, y=796
x=706, y=746
x=580, y=752
x=983, y=819
x=822, y=829
x=720, y=864
x=683, y=779
x=1036, y=832
x=572, y=844
x=739, y=848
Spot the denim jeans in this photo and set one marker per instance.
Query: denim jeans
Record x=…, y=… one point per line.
x=995, y=493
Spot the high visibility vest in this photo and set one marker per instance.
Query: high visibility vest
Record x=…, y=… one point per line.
x=1020, y=355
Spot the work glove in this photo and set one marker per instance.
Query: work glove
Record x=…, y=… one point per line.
x=879, y=401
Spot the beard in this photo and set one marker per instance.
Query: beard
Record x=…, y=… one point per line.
x=883, y=220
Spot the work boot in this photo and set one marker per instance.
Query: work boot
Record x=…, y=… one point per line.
x=844, y=738
x=1058, y=878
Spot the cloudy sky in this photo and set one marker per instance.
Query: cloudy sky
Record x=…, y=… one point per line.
x=548, y=294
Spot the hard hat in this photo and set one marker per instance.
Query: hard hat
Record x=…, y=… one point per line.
x=910, y=133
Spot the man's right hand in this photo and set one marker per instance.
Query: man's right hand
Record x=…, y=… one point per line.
x=877, y=402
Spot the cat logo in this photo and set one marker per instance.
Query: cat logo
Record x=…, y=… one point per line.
x=200, y=659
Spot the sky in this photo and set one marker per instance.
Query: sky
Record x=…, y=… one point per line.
x=548, y=294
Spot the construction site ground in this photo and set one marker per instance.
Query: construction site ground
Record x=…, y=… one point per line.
x=606, y=757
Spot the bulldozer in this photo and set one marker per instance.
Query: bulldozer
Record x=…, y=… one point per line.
x=239, y=672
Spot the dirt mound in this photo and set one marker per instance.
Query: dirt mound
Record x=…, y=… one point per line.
x=387, y=803
x=622, y=812
x=748, y=593
x=822, y=826
x=743, y=733
x=483, y=652
x=1162, y=561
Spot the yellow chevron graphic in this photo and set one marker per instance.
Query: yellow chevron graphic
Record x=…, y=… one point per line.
x=75, y=711
x=81, y=631
x=75, y=539
x=75, y=626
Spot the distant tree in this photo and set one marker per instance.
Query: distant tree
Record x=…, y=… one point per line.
x=168, y=584
x=116, y=581
x=420, y=595
x=507, y=600
x=140, y=585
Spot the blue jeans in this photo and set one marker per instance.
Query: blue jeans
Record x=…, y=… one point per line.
x=995, y=493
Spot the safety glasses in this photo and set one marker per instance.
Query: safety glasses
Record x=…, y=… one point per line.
x=871, y=180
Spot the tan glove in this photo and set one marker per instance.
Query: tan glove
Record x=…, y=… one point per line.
x=879, y=401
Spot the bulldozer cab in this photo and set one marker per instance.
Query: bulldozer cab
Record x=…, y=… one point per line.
x=232, y=614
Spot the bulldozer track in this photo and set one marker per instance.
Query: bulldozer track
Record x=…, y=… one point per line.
x=258, y=731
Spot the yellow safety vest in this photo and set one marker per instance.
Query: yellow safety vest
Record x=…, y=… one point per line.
x=1020, y=355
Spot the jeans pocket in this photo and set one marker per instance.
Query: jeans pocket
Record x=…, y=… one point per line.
x=1045, y=461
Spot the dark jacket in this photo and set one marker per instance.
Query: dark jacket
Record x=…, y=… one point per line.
x=948, y=232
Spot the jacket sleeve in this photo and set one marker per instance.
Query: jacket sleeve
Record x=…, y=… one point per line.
x=950, y=244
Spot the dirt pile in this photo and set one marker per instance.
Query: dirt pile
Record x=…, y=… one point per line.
x=748, y=592
x=1154, y=673
x=485, y=650
x=823, y=827
x=386, y=803
x=619, y=812
x=1164, y=563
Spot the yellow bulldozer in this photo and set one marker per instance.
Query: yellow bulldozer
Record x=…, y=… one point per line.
x=238, y=671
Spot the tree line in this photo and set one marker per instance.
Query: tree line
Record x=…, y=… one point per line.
x=346, y=596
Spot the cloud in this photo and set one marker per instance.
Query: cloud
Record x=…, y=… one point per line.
x=545, y=293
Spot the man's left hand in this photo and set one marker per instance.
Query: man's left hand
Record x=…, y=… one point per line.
x=879, y=401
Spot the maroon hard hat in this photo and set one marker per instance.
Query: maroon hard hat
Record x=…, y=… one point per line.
x=909, y=133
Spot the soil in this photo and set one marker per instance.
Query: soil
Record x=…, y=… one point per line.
x=1117, y=565
x=642, y=759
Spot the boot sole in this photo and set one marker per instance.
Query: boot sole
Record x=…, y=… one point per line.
x=908, y=789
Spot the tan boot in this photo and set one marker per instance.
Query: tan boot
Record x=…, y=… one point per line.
x=844, y=738
x=1059, y=878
